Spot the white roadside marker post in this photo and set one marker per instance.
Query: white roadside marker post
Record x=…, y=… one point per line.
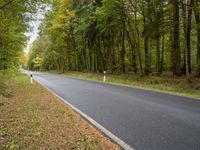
x=104, y=77
x=31, y=76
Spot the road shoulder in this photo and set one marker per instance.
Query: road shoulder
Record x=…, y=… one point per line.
x=35, y=119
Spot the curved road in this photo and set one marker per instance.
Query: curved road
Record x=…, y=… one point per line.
x=145, y=120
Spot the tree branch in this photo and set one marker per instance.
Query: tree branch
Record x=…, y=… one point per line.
x=4, y=5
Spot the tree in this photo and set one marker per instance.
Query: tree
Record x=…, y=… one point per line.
x=14, y=17
x=176, y=40
x=197, y=18
x=121, y=36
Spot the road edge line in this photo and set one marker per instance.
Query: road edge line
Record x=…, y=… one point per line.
x=90, y=120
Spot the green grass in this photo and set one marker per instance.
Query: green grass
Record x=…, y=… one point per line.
x=166, y=83
x=4, y=89
x=32, y=118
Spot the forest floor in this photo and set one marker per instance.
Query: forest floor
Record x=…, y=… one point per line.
x=32, y=118
x=165, y=83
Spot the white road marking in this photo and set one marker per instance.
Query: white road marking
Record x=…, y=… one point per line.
x=92, y=121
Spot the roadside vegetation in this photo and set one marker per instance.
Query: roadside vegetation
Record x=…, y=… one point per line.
x=4, y=87
x=144, y=37
x=152, y=44
x=165, y=83
x=137, y=42
x=32, y=118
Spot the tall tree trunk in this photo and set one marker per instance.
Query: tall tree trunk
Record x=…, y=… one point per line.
x=197, y=18
x=146, y=41
x=90, y=58
x=173, y=60
x=150, y=55
x=189, y=5
x=138, y=45
x=85, y=64
x=184, y=31
x=162, y=53
x=113, y=53
x=99, y=56
x=158, y=65
x=133, y=52
x=176, y=39
x=131, y=38
x=188, y=32
x=198, y=54
x=110, y=53
x=123, y=49
x=95, y=60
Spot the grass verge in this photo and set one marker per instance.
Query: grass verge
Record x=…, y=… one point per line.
x=32, y=118
x=165, y=83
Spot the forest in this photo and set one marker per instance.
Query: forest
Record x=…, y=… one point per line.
x=14, y=18
x=120, y=36
x=99, y=74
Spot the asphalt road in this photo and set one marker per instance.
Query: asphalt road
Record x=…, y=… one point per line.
x=143, y=119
